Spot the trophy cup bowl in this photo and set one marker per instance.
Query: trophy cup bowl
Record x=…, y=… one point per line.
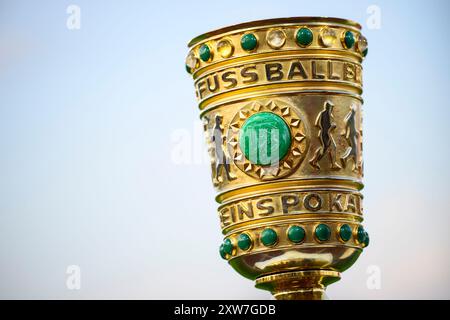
x=281, y=106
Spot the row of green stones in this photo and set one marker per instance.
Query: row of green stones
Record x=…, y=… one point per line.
x=304, y=37
x=296, y=234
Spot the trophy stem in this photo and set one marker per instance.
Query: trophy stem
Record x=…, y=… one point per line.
x=298, y=285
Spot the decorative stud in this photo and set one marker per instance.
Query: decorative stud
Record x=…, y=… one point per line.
x=348, y=40
x=362, y=45
x=228, y=246
x=225, y=48
x=276, y=38
x=244, y=241
x=269, y=237
x=327, y=37
x=304, y=37
x=249, y=42
x=205, y=53
x=191, y=62
x=360, y=234
x=366, y=240
x=323, y=232
x=345, y=232
x=222, y=252
x=296, y=234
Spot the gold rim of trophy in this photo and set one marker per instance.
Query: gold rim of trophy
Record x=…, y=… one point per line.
x=273, y=22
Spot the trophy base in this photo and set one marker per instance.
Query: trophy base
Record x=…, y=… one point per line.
x=298, y=285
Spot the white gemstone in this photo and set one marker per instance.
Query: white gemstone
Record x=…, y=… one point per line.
x=225, y=48
x=191, y=61
x=362, y=43
x=328, y=37
x=276, y=38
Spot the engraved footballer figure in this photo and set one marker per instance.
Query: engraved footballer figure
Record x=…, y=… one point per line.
x=221, y=160
x=326, y=125
x=352, y=136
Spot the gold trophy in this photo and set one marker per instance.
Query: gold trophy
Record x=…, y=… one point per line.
x=280, y=101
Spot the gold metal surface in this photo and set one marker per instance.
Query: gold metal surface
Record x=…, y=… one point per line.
x=307, y=72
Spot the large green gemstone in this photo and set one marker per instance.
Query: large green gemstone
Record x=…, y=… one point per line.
x=265, y=138
x=244, y=241
x=345, y=232
x=323, y=232
x=228, y=246
x=304, y=37
x=296, y=234
x=269, y=237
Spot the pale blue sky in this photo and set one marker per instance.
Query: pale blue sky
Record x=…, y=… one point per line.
x=87, y=121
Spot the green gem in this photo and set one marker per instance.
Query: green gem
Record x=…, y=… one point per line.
x=228, y=246
x=265, y=138
x=296, y=234
x=222, y=252
x=349, y=39
x=244, y=241
x=361, y=234
x=204, y=52
x=345, y=232
x=188, y=69
x=249, y=42
x=269, y=237
x=323, y=232
x=364, y=53
x=304, y=37
x=366, y=239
